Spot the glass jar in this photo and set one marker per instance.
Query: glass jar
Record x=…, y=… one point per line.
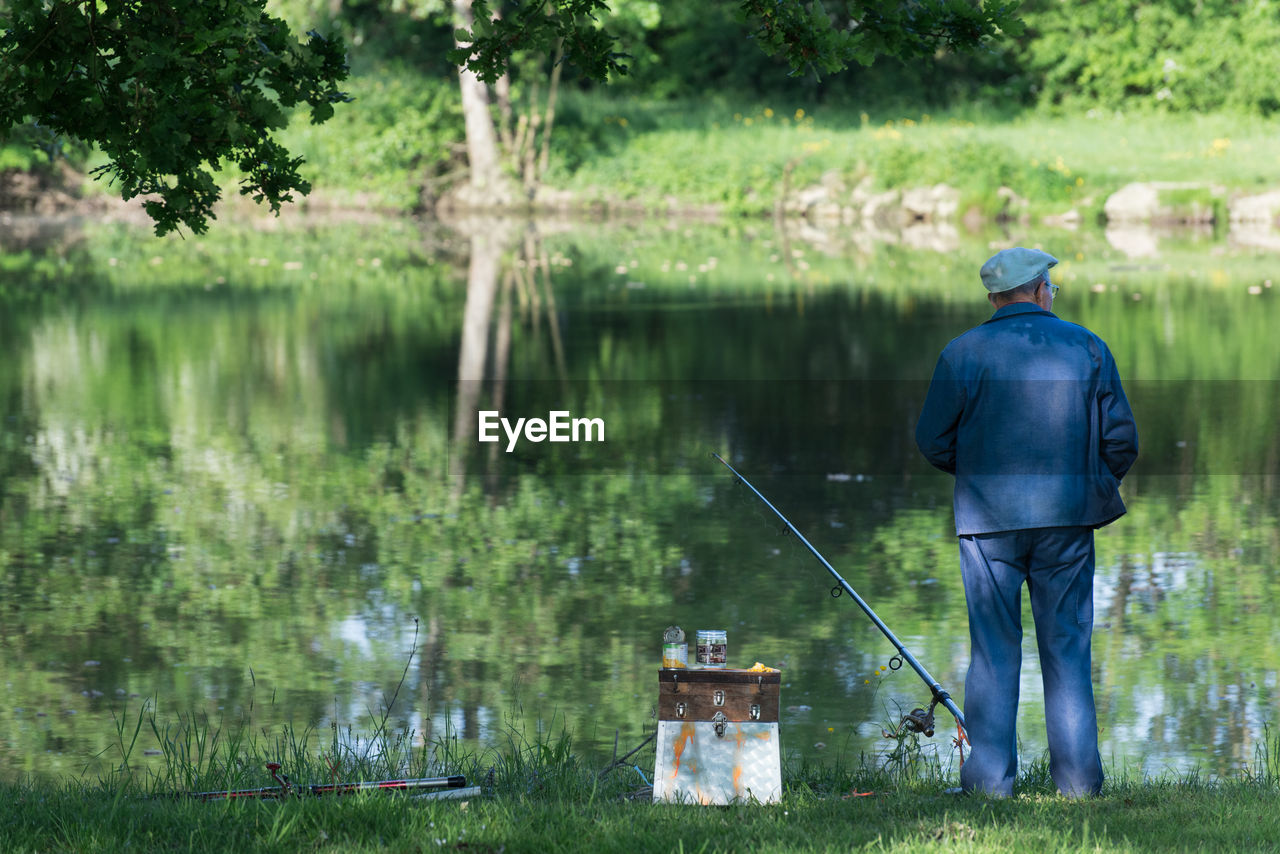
x=712, y=649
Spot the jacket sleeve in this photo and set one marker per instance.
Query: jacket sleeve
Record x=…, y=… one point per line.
x=1119, y=433
x=940, y=418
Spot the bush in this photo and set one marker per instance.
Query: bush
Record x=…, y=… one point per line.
x=1167, y=56
x=403, y=129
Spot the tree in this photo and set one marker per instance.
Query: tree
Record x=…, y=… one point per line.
x=487, y=185
x=169, y=90
x=806, y=34
x=1167, y=55
x=810, y=36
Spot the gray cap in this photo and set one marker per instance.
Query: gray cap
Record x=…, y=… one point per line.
x=1009, y=268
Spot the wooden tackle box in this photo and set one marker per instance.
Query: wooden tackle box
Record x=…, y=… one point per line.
x=718, y=736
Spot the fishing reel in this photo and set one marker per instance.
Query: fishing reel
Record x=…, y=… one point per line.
x=919, y=720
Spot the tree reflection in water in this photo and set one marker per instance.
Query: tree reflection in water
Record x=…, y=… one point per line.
x=237, y=455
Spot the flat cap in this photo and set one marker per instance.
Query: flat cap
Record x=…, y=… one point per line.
x=1009, y=268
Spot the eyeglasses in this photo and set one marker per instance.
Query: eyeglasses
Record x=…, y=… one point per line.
x=1053, y=289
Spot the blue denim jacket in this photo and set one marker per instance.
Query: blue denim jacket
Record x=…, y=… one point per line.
x=1028, y=413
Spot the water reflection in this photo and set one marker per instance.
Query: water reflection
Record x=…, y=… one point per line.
x=233, y=478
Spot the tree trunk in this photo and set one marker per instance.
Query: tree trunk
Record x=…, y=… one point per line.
x=544, y=159
x=488, y=186
x=473, y=353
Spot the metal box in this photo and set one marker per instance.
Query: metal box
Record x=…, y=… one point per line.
x=718, y=737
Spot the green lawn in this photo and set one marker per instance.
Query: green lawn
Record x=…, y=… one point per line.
x=404, y=130
x=740, y=157
x=543, y=796
x=536, y=816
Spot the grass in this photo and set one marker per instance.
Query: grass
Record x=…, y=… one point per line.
x=740, y=157
x=399, y=145
x=541, y=794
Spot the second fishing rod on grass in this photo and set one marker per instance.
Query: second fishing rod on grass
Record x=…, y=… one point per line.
x=918, y=720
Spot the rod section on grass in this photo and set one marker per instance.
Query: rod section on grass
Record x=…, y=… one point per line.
x=939, y=695
x=271, y=792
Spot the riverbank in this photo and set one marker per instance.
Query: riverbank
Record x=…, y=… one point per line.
x=544, y=797
x=963, y=166
x=822, y=166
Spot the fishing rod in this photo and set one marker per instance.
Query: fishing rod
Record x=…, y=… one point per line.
x=918, y=720
x=288, y=789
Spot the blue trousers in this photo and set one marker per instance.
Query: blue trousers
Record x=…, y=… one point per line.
x=1057, y=566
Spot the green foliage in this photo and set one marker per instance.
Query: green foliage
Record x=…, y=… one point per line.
x=21, y=156
x=811, y=38
x=168, y=92
x=487, y=48
x=585, y=130
x=805, y=34
x=1155, y=55
x=32, y=146
x=392, y=149
x=1111, y=54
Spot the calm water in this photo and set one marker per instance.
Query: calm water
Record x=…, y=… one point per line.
x=241, y=477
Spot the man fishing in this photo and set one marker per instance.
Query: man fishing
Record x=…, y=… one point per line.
x=1027, y=412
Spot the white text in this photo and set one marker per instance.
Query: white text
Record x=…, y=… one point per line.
x=558, y=426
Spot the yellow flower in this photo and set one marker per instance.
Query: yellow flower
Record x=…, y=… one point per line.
x=799, y=115
x=768, y=113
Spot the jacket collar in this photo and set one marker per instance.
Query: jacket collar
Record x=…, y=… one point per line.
x=1016, y=308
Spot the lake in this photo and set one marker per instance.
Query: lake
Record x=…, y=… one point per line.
x=242, y=478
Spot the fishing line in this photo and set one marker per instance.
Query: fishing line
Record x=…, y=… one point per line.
x=792, y=548
x=917, y=720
